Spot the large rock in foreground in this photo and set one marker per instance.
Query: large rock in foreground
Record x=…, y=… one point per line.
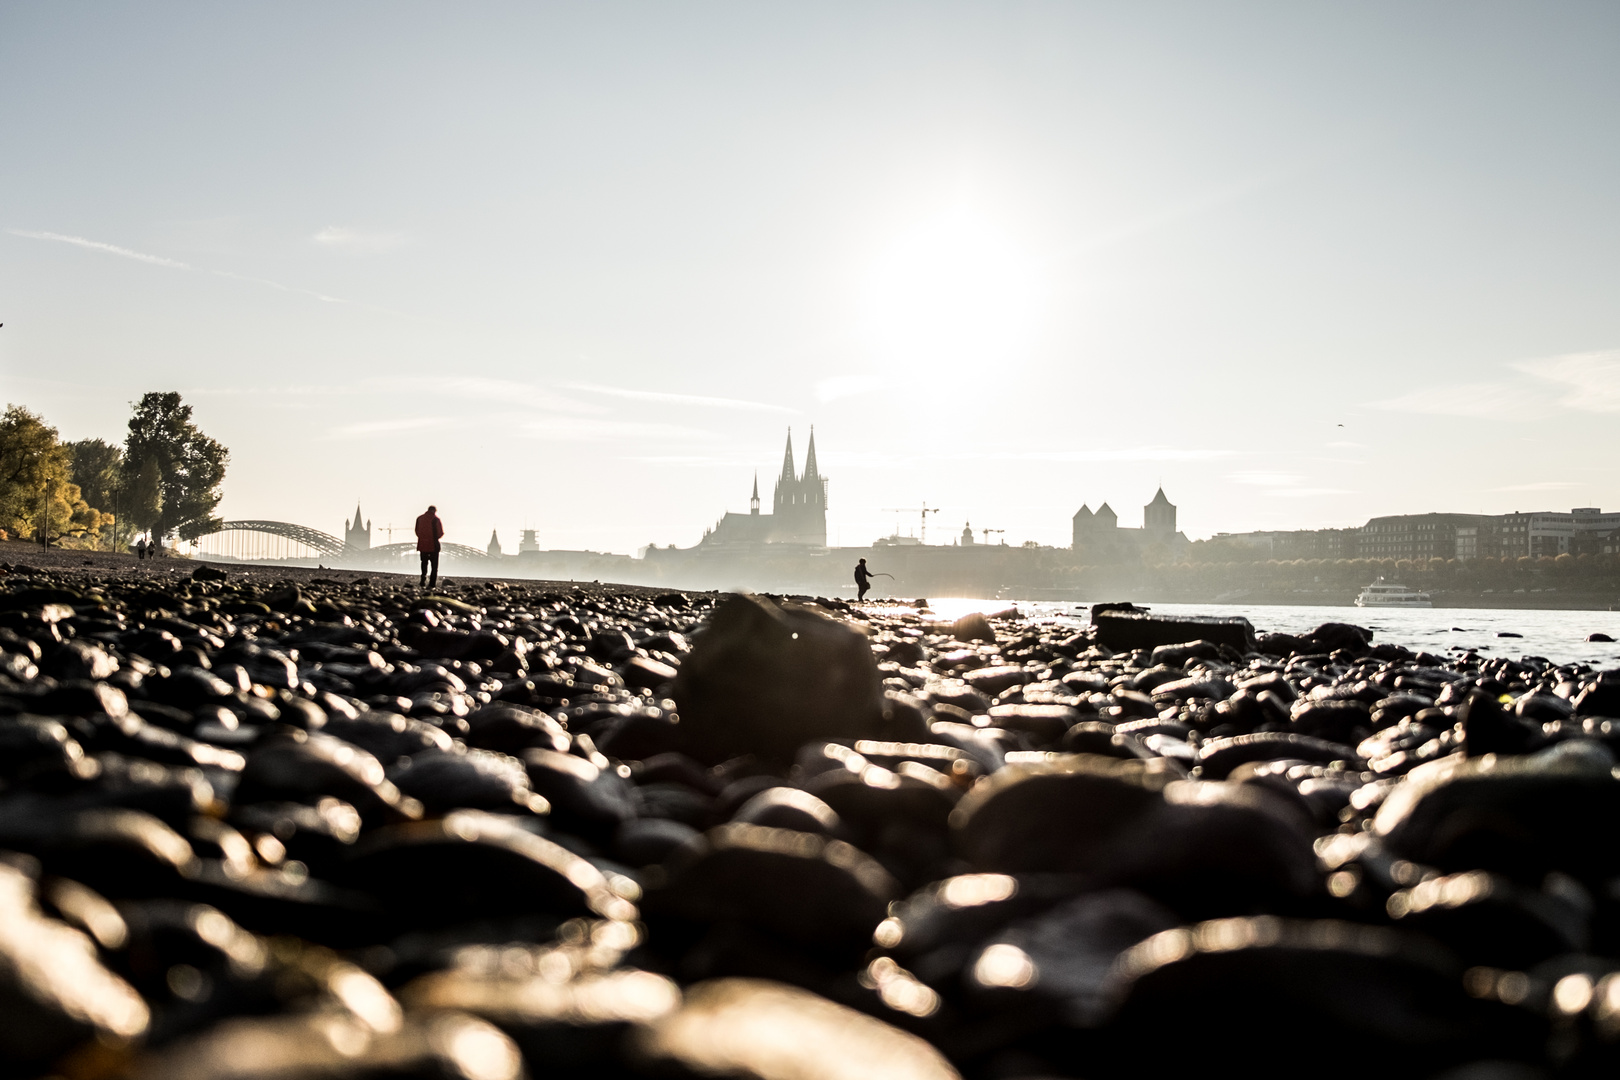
x=765, y=680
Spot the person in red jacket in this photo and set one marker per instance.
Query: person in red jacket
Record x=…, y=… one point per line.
x=429, y=530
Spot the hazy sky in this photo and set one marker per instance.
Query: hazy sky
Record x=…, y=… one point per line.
x=578, y=267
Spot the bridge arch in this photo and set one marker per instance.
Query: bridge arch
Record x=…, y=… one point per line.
x=234, y=540
x=448, y=551
x=316, y=542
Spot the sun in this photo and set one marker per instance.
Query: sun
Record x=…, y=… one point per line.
x=954, y=292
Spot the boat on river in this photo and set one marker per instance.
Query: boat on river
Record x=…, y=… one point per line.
x=1387, y=595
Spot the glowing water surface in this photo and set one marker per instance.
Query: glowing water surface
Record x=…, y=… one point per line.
x=1560, y=636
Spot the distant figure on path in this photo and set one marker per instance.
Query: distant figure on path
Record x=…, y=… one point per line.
x=140, y=549
x=429, y=529
x=863, y=580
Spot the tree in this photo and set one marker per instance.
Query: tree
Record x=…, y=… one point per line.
x=189, y=465
x=143, y=495
x=97, y=467
x=37, y=498
x=98, y=470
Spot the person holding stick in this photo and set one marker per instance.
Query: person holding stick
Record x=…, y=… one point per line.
x=863, y=580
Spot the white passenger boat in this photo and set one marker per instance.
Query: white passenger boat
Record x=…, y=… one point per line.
x=1382, y=594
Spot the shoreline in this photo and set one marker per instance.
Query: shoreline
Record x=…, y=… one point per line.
x=501, y=800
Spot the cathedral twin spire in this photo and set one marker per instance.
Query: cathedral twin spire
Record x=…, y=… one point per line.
x=810, y=471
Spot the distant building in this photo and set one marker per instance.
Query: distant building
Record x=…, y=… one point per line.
x=1585, y=529
x=798, y=508
x=528, y=543
x=355, y=536
x=967, y=534
x=1159, y=517
x=494, y=545
x=1097, y=534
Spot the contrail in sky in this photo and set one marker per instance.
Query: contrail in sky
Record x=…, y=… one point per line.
x=97, y=245
x=174, y=264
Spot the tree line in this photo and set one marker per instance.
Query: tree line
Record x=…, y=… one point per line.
x=164, y=480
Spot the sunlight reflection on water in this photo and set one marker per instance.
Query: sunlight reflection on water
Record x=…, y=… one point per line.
x=1558, y=635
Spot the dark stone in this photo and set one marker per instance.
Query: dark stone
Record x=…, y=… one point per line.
x=803, y=888
x=1513, y=815
x=511, y=728
x=583, y=797
x=973, y=627
x=1218, y=757
x=319, y=836
x=1337, y=721
x=1099, y=737
x=646, y=841
x=1598, y=698
x=765, y=680
x=1126, y=630
x=473, y=865
x=308, y=767
x=1334, y=636
x=1489, y=730
x=388, y=735
x=714, y=1033
x=574, y=1026
x=991, y=681
x=1045, y=724
x=645, y=674
x=1064, y=957
x=57, y=995
x=1486, y=919
x=475, y=779
x=676, y=802
x=1300, y=987
x=1178, y=655
x=789, y=808
x=80, y=660
x=1059, y=815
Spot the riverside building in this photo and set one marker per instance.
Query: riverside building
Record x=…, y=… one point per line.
x=1583, y=530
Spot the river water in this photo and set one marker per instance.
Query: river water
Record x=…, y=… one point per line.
x=1560, y=636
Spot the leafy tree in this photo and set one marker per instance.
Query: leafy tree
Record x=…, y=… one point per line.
x=98, y=470
x=143, y=495
x=189, y=465
x=37, y=498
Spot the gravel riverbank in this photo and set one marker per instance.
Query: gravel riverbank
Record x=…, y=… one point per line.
x=325, y=824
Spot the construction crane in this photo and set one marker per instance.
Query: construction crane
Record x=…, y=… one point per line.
x=987, y=533
x=923, y=511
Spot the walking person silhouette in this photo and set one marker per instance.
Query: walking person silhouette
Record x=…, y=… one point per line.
x=429, y=530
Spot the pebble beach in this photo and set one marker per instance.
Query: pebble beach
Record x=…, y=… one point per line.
x=271, y=823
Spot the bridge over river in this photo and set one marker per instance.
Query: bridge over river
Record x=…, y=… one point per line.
x=284, y=541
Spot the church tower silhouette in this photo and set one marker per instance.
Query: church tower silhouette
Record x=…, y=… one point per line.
x=800, y=502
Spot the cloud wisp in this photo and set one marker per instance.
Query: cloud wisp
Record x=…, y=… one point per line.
x=1132, y=453
x=339, y=238
x=1589, y=381
x=1580, y=382
x=1542, y=485
x=1282, y=485
x=1484, y=401
x=369, y=428
x=699, y=400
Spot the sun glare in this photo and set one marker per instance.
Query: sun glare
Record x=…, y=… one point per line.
x=954, y=291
